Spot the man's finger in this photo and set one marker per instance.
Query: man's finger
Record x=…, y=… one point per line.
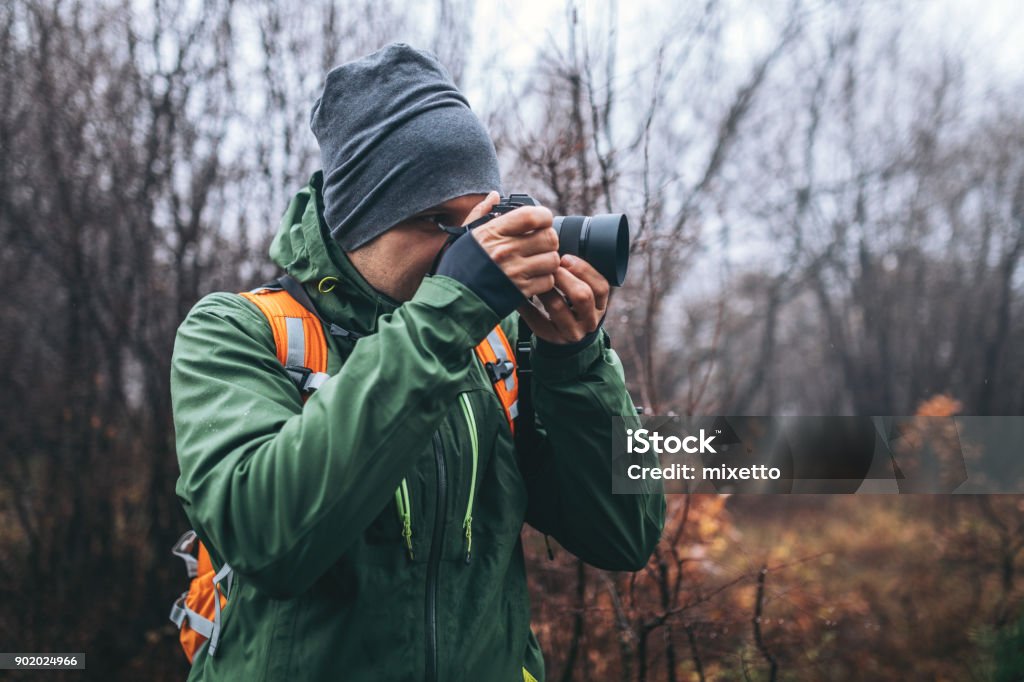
x=532, y=286
x=539, y=265
x=540, y=325
x=522, y=220
x=544, y=240
x=564, y=318
x=505, y=248
x=556, y=306
x=577, y=292
x=594, y=279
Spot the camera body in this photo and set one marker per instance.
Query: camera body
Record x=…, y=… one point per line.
x=601, y=240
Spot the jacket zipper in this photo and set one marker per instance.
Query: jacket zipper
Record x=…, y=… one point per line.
x=467, y=521
x=405, y=514
x=436, y=543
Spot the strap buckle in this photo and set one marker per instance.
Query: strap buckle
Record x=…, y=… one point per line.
x=305, y=379
x=500, y=370
x=523, y=357
x=299, y=375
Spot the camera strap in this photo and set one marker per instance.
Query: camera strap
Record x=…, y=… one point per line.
x=526, y=427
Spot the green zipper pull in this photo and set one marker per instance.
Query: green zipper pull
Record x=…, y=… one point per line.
x=467, y=522
x=467, y=525
x=405, y=513
x=407, y=534
x=547, y=542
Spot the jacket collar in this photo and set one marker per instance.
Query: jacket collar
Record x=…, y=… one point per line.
x=304, y=248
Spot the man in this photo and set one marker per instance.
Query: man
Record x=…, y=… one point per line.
x=333, y=580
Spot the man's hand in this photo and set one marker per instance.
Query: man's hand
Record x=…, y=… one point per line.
x=525, y=246
x=522, y=243
x=574, y=308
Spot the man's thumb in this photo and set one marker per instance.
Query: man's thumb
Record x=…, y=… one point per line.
x=481, y=209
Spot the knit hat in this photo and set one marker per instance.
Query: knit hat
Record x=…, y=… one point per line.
x=396, y=137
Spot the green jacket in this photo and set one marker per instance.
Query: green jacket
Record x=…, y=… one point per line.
x=300, y=499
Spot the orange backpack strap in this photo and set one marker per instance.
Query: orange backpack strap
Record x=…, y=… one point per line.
x=495, y=352
x=301, y=347
x=298, y=337
x=197, y=612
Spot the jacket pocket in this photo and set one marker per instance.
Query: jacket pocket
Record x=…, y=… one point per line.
x=495, y=498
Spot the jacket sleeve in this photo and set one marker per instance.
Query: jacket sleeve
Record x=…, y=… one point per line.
x=568, y=469
x=279, y=490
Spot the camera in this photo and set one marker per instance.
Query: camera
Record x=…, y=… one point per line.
x=601, y=240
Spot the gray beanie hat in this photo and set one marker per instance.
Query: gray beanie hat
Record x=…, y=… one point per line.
x=396, y=137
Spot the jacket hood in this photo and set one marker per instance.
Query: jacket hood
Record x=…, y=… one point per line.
x=304, y=249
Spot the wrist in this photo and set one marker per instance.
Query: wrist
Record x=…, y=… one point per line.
x=551, y=349
x=569, y=367
x=466, y=262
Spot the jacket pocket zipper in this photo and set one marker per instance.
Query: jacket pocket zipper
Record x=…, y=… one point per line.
x=467, y=521
x=434, y=562
x=405, y=514
x=402, y=492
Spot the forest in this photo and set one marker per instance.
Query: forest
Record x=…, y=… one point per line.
x=826, y=200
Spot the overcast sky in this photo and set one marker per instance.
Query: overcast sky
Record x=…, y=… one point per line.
x=992, y=31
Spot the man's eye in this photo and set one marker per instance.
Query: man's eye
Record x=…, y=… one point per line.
x=439, y=221
x=446, y=222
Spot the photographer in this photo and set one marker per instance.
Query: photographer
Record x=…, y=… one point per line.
x=371, y=526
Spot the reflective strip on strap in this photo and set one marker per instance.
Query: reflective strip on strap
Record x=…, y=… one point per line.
x=183, y=548
x=178, y=610
x=494, y=341
x=296, y=342
x=201, y=625
x=299, y=340
x=180, y=613
x=224, y=572
x=495, y=353
x=316, y=380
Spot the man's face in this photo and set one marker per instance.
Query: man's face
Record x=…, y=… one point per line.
x=396, y=262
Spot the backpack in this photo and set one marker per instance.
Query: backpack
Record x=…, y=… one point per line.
x=302, y=350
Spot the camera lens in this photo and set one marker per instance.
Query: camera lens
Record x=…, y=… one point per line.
x=601, y=240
